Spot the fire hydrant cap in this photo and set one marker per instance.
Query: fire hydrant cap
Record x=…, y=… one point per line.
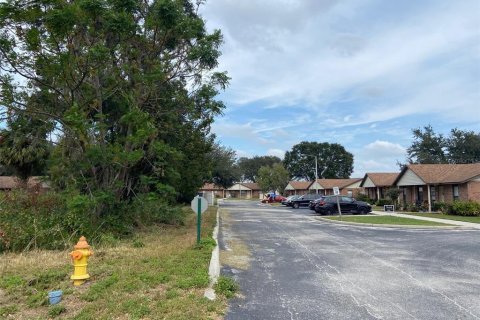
x=82, y=243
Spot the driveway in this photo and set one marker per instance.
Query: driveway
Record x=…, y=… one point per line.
x=292, y=266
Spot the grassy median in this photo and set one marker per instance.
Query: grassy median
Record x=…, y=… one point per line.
x=386, y=220
x=446, y=216
x=159, y=274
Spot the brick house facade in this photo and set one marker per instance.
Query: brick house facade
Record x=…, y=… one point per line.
x=425, y=184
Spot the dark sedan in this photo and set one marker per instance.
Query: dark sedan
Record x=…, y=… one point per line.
x=304, y=200
x=347, y=205
x=314, y=203
x=288, y=201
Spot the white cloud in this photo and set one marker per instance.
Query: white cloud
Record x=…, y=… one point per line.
x=310, y=53
x=379, y=149
x=276, y=152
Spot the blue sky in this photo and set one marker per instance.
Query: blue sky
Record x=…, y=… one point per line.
x=362, y=73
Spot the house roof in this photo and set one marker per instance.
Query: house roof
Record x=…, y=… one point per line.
x=300, y=185
x=381, y=179
x=250, y=185
x=211, y=186
x=443, y=173
x=341, y=183
x=11, y=182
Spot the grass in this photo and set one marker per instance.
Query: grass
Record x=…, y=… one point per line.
x=445, y=216
x=159, y=274
x=386, y=220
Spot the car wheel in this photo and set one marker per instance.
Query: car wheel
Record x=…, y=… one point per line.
x=362, y=211
x=296, y=205
x=328, y=212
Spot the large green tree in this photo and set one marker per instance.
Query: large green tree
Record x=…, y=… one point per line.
x=332, y=159
x=223, y=167
x=129, y=85
x=249, y=166
x=430, y=147
x=427, y=146
x=272, y=178
x=24, y=149
x=463, y=146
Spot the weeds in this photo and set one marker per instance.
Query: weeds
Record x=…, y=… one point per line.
x=227, y=287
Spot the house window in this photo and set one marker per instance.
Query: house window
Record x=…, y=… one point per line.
x=456, y=193
x=433, y=195
x=404, y=195
x=420, y=195
x=350, y=193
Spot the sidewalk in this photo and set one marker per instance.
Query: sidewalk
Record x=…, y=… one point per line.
x=447, y=221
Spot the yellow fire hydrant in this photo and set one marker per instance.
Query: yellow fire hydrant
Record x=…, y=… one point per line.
x=80, y=258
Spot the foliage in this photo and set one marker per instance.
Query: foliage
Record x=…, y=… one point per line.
x=464, y=208
x=332, y=159
x=463, y=146
x=227, y=287
x=53, y=221
x=126, y=87
x=383, y=202
x=224, y=170
x=363, y=197
x=272, y=178
x=429, y=147
x=23, y=148
x=393, y=194
x=249, y=167
x=440, y=207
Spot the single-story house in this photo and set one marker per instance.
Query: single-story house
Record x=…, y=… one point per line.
x=348, y=187
x=425, y=184
x=297, y=188
x=213, y=190
x=376, y=184
x=8, y=183
x=245, y=190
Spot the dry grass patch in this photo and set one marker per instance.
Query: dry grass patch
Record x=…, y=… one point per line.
x=159, y=274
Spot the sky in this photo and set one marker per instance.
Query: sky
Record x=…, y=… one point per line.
x=361, y=73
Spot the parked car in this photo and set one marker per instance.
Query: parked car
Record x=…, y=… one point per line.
x=328, y=205
x=288, y=201
x=271, y=198
x=304, y=200
x=313, y=203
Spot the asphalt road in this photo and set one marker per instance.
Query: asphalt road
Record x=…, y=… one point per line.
x=303, y=268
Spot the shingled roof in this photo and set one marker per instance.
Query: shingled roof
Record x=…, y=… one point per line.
x=341, y=183
x=381, y=179
x=300, y=185
x=250, y=185
x=443, y=173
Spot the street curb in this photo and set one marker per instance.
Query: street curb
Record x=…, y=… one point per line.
x=214, y=268
x=398, y=226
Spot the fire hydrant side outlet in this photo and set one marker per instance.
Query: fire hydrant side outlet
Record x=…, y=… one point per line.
x=80, y=261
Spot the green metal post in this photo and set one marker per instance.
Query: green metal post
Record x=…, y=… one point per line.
x=199, y=219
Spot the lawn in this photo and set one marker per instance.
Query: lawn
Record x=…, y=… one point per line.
x=445, y=216
x=158, y=274
x=386, y=220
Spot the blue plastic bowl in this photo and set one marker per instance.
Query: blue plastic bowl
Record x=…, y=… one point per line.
x=55, y=296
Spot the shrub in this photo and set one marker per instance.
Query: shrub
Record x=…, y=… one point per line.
x=382, y=202
x=56, y=220
x=363, y=197
x=440, y=207
x=464, y=208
